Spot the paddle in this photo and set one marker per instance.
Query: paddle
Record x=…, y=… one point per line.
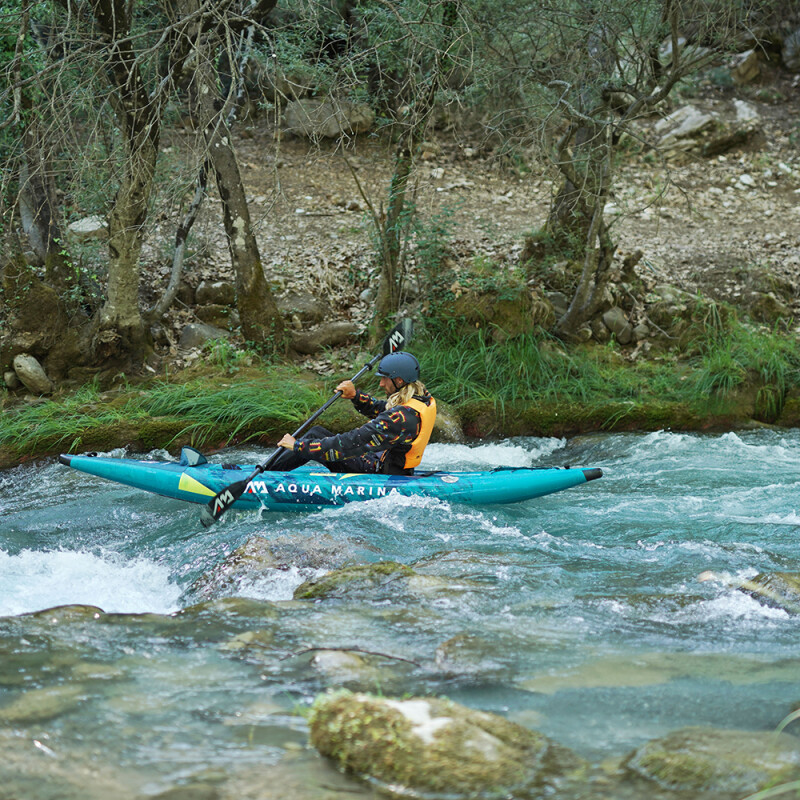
x=395, y=340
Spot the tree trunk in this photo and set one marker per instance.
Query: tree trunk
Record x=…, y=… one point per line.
x=37, y=209
x=262, y=324
x=121, y=335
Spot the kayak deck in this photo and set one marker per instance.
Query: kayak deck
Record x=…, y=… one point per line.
x=312, y=487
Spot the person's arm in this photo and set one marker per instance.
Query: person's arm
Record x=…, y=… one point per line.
x=374, y=436
x=365, y=404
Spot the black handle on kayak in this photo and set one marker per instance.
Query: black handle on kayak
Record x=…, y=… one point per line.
x=396, y=340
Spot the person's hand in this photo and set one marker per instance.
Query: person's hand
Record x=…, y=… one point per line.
x=287, y=441
x=348, y=389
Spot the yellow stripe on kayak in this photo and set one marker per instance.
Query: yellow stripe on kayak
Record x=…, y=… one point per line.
x=189, y=484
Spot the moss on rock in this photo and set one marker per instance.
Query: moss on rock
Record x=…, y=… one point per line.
x=427, y=745
x=354, y=578
x=721, y=763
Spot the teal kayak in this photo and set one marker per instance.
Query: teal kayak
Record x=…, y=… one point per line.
x=312, y=487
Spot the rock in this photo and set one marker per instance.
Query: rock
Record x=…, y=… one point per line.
x=791, y=51
x=560, y=302
x=89, y=228
x=766, y=307
x=681, y=124
x=31, y=374
x=641, y=331
x=332, y=334
x=39, y=705
x=428, y=746
x=616, y=321
x=328, y=118
x=717, y=762
x=215, y=293
x=196, y=334
x=464, y=654
x=448, y=426
x=219, y=316
x=745, y=112
x=11, y=380
x=259, y=556
x=309, y=309
x=599, y=330
x=726, y=136
x=353, y=579
x=745, y=67
x=343, y=668
x=775, y=589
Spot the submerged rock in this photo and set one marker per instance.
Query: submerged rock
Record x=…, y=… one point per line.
x=423, y=745
x=258, y=556
x=381, y=580
x=354, y=579
x=39, y=705
x=721, y=763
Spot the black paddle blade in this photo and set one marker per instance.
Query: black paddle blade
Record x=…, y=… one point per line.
x=398, y=337
x=221, y=502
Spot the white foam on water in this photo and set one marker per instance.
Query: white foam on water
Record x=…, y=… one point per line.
x=34, y=580
x=277, y=584
x=488, y=456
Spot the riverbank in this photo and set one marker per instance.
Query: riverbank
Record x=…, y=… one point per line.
x=524, y=387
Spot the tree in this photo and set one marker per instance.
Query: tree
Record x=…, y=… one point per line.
x=261, y=321
x=572, y=77
x=127, y=58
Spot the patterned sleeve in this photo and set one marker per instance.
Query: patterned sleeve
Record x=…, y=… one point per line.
x=367, y=405
x=396, y=426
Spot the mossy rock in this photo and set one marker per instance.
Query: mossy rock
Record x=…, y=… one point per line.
x=432, y=746
x=259, y=555
x=775, y=589
x=353, y=579
x=40, y=705
x=721, y=763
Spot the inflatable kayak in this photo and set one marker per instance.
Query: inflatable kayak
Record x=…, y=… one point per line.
x=312, y=487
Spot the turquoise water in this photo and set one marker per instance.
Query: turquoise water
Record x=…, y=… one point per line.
x=578, y=614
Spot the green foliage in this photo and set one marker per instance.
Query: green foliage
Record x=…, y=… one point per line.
x=227, y=357
x=197, y=410
x=534, y=368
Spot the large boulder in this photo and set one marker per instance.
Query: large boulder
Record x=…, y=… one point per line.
x=420, y=746
x=333, y=334
x=215, y=293
x=310, y=310
x=196, y=334
x=88, y=228
x=31, y=375
x=327, y=118
x=717, y=763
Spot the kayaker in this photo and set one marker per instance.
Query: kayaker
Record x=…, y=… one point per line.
x=392, y=442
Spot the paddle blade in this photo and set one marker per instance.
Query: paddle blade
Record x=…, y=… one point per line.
x=221, y=502
x=398, y=337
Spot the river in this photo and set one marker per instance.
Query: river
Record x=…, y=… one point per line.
x=578, y=614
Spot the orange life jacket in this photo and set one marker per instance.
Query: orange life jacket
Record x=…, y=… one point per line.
x=427, y=415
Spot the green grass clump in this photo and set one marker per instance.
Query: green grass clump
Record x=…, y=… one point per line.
x=536, y=369
x=235, y=408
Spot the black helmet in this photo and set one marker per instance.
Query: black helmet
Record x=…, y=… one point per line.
x=399, y=365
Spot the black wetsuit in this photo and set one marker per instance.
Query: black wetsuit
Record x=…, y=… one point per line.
x=378, y=446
